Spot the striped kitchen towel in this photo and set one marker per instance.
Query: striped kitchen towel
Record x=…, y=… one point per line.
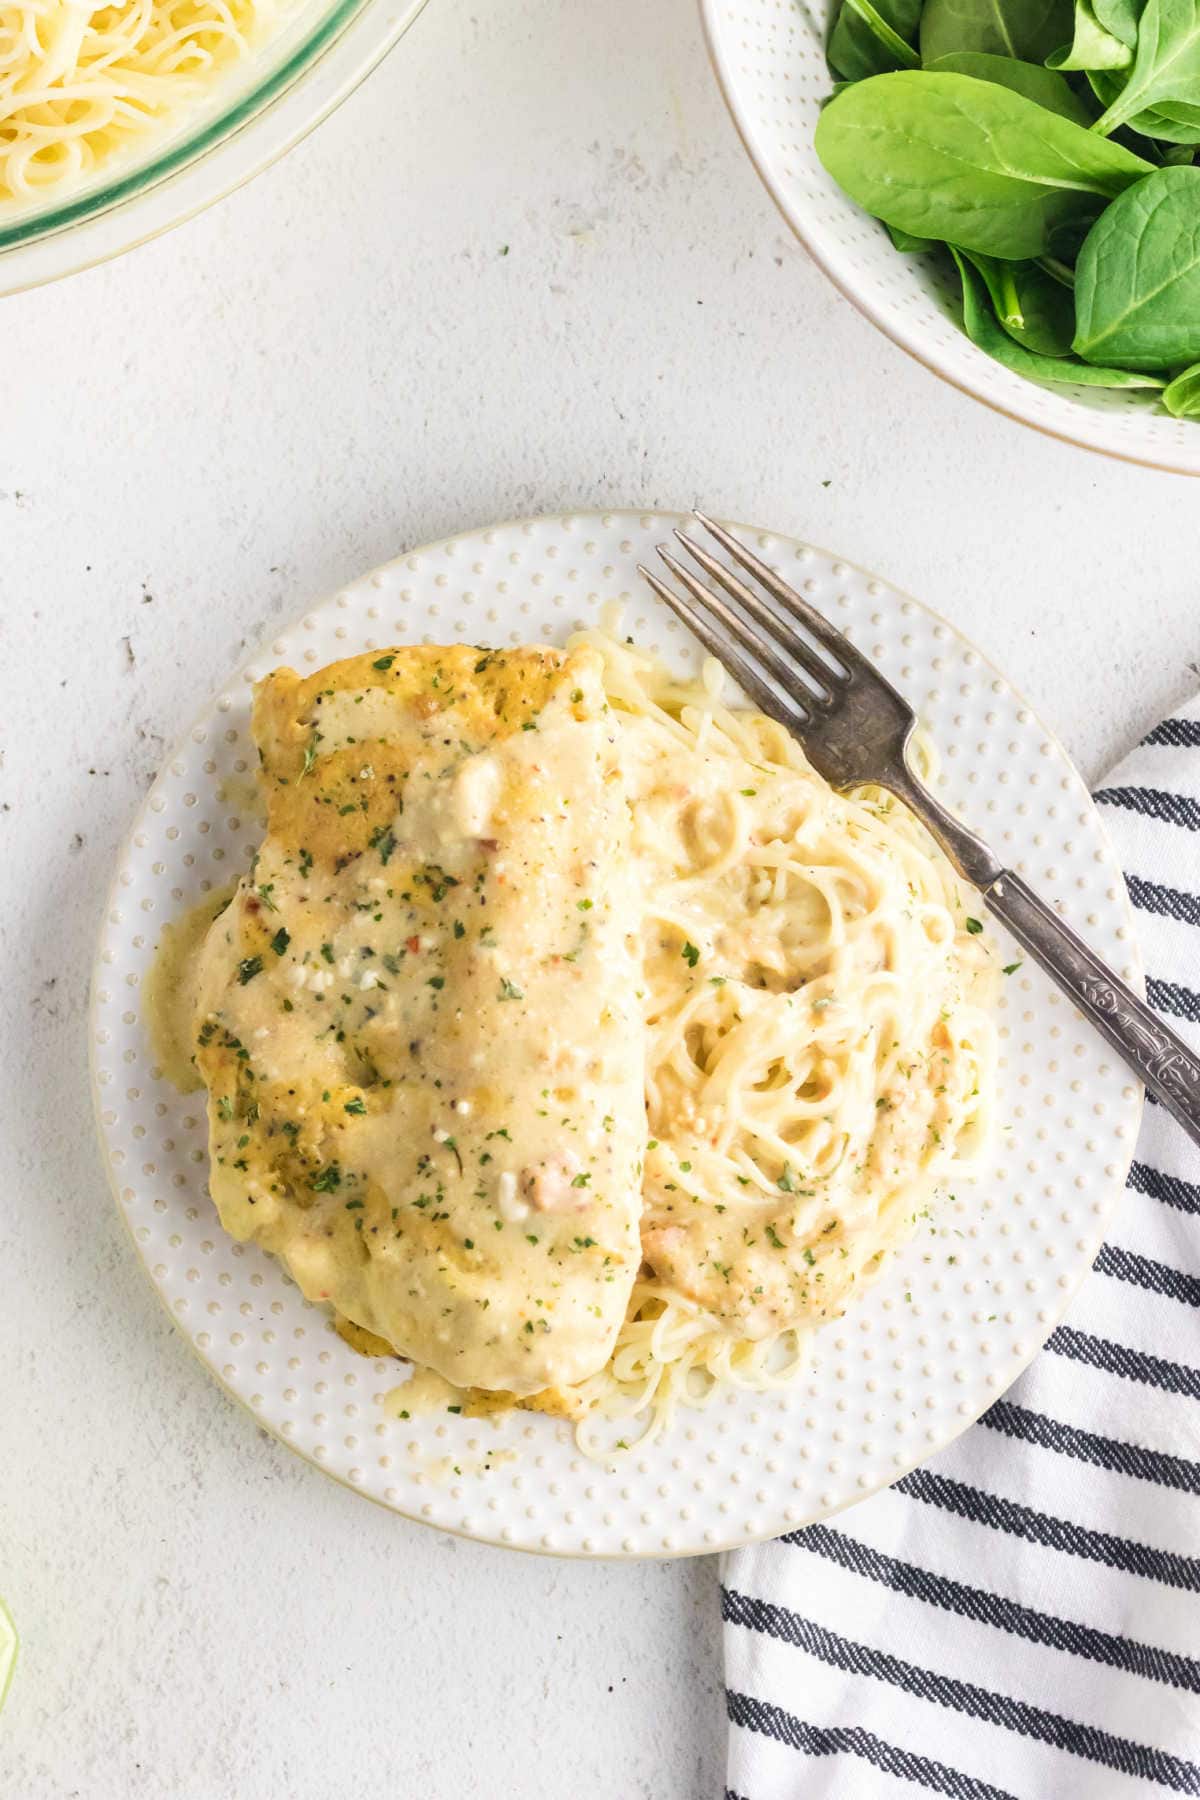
x=1019, y=1619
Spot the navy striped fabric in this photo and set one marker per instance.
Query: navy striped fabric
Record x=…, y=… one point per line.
x=1020, y=1619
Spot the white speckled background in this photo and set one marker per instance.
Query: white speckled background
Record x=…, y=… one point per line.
x=194, y=443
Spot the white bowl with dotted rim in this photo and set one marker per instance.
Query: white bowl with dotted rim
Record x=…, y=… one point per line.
x=769, y=58
x=888, y=1385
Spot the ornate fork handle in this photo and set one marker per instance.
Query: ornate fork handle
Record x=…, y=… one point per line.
x=1154, y=1053
x=1164, y=1062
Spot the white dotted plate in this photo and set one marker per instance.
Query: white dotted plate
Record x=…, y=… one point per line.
x=889, y=1384
x=769, y=56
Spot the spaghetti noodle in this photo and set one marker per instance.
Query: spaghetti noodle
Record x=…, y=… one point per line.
x=80, y=84
x=821, y=1053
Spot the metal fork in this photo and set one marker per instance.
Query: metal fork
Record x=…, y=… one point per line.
x=856, y=728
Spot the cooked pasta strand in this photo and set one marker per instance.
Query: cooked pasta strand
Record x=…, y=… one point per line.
x=821, y=1049
x=81, y=84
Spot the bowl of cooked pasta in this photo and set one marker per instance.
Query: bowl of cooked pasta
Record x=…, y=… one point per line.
x=117, y=122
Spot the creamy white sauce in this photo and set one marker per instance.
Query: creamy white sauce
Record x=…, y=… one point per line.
x=425, y=1055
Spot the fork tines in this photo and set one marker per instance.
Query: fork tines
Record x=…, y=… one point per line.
x=813, y=675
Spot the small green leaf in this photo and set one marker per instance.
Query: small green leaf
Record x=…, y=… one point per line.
x=1166, y=63
x=384, y=841
x=892, y=51
x=969, y=162
x=1120, y=18
x=1036, y=310
x=983, y=331
x=1137, y=279
x=1181, y=397
x=1026, y=29
x=907, y=245
x=1039, y=84
x=873, y=39
x=1092, y=47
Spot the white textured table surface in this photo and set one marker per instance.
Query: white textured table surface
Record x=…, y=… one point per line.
x=335, y=364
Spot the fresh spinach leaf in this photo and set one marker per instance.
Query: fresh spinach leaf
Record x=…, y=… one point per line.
x=1120, y=17
x=1137, y=280
x=1034, y=80
x=1036, y=310
x=906, y=243
x=1092, y=47
x=969, y=163
x=871, y=36
x=1028, y=29
x=983, y=331
x=1174, y=122
x=1182, y=113
x=1181, y=397
x=1166, y=63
